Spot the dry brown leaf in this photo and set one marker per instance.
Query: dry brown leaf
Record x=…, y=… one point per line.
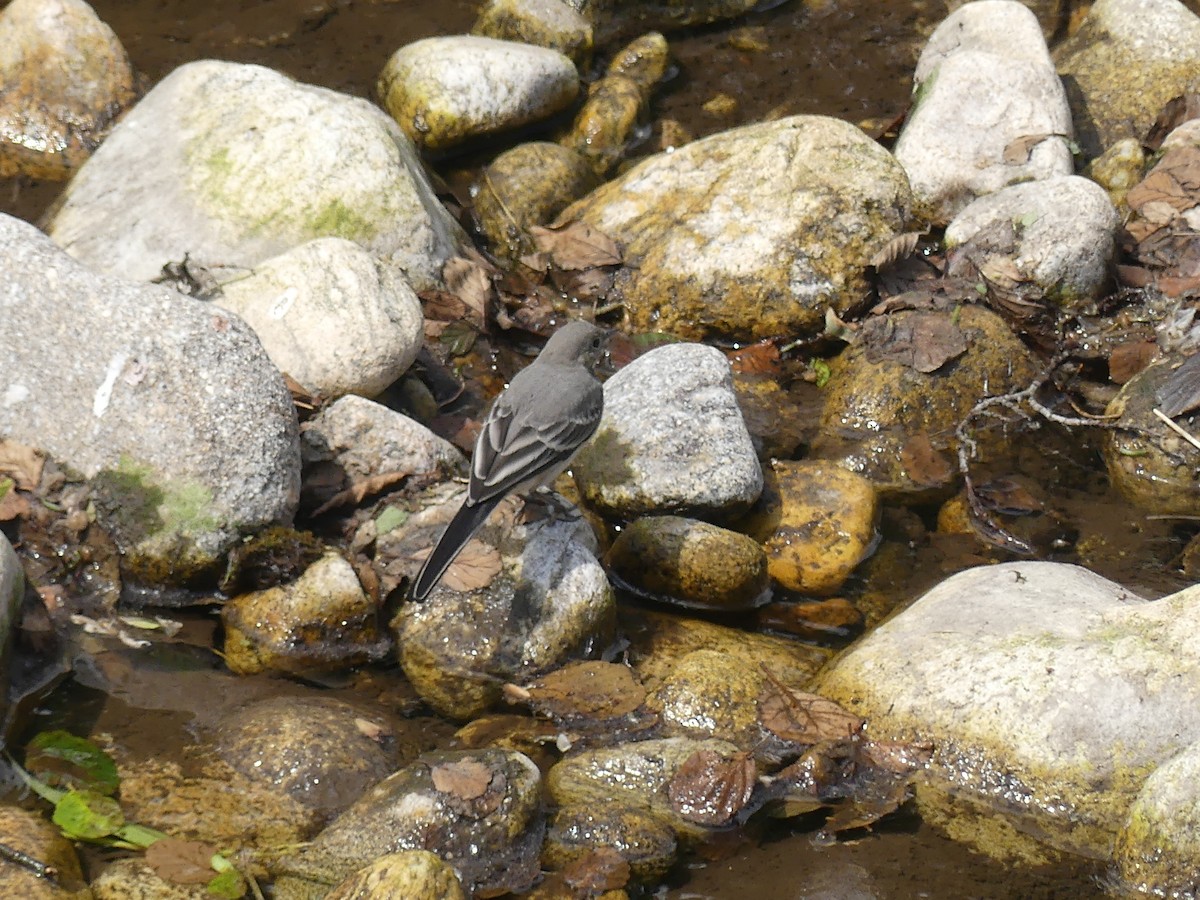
x=1007, y=497
x=576, y=245
x=466, y=779
x=899, y=757
x=802, y=717
x=470, y=282
x=710, y=788
x=22, y=464
x=756, y=359
x=898, y=248
x=1174, y=113
x=924, y=341
x=591, y=690
x=180, y=861
x=870, y=804
x=602, y=869
x=1018, y=150
x=924, y=463
x=360, y=489
x=12, y=504
x=1127, y=359
x=475, y=567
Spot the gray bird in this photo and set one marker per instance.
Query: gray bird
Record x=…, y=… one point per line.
x=529, y=437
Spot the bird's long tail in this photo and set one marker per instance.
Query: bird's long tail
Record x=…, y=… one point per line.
x=461, y=529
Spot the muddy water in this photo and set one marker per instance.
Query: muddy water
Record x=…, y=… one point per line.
x=849, y=59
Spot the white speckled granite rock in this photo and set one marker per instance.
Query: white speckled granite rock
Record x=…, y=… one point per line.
x=331, y=316
x=446, y=90
x=167, y=404
x=230, y=164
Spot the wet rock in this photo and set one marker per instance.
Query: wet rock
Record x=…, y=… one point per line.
x=322, y=752
x=1157, y=853
x=988, y=109
x=877, y=401
x=412, y=874
x=1186, y=134
x=12, y=590
x=672, y=440
x=607, y=124
x=320, y=622
x=554, y=24
x=132, y=879
x=447, y=90
x=1048, y=692
x=479, y=811
x=34, y=836
x=211, y=802
x=690, y=563
x=64, y=78
x=169, y=406
x=659, y=643
x=1119, y=168
x=1050, y=241
x=1126, y=60
x=631, y=774
x=750, y=233
x=616, y=19
x=817, y=522
x=710, y=694
x=331, y=316
x=1155, y=468
x=228, y=165
x=644, y=841
x=363, y=439
x=520, y=599
x=525, y=186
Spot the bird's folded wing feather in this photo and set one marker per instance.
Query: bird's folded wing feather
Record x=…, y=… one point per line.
x=516, y=447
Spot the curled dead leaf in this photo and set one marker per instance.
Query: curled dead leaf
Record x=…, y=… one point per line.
x=466, y=779
x=576, y=245
x=802, y=717
x=711, y=788
x=586, y=690
x=22, y=464
x=924, y=463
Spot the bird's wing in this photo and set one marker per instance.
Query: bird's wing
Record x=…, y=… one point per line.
x=521, y=439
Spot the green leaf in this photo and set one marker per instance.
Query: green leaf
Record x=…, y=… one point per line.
x=823, y=371
x=458, y=338
x=88, y=816
x=390, y=518
x=60, y=759
x=228, y=884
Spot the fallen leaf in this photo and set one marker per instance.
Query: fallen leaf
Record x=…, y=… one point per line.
x=1174, y=113
x=466, y=779
x=1018, y=150
x=761, y=358
x=924, y=463
x=471, y=282
x=180, y=861
x=601, y=869
x=711, y=788
x=588, y=690
x=802, y=717
x=886, y=795
x=360, y=489
x=1007, y=497
x=924, y=341
x=22, y=464
x=12, y=504
x=898, y=248
x=576, y=245
x=475, y=567
x=1127, y=359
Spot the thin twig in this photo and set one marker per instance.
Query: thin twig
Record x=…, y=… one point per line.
x=25, y=861
x=1178, y=429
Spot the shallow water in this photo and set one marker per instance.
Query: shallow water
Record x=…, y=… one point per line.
x=850, y=59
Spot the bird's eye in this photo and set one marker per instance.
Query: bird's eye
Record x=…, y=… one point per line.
x=597, y=343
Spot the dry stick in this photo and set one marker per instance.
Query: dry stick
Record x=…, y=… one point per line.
x=40, y=869
x=1178, y=429
x=986, y=526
